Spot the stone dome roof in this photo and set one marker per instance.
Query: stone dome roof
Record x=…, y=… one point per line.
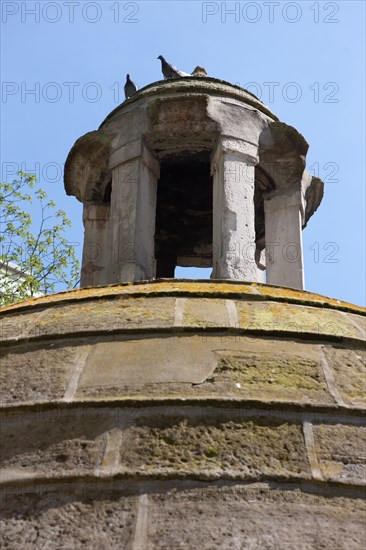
x=183, y=414
x=194, y=85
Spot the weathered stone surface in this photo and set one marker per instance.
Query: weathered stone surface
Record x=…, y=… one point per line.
x=190, y=288
x=15, y=326
x=139, y=410
x=207, y=516
x=40, y=374
x=349, y=368
x=148, y=360
x=203, y=312
x=132, y=215
x=341, y=452
x=283, y=222
x=231, y=366
x=60, y=522
x=359, y=322
x=194, y=441
x=234, y=234
x=240, y=367
x=180, y=124
x=254, y=518
x=52, y=442
x=96, y=220
x=273, y=376
x=212, y=449
x=102, y=315
x=225, y=364
x=132, y=312
x=277, y=317
x=92, y=151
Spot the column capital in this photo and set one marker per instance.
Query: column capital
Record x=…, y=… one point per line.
x=287, y=197
x=276, y=200
x=238, y=148
x=135, y=150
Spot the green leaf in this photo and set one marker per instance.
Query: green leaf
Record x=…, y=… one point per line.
x=38, y=247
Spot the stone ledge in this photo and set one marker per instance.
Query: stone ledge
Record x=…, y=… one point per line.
x=77, y=337
x=185, y=287
x=301, y=490
x=39, y=484
x=293, y=411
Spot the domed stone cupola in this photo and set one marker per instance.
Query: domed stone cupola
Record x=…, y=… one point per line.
x=193, y=172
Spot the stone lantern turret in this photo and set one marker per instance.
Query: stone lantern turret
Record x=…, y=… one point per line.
x=192, y=172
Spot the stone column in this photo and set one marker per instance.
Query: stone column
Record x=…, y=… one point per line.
x=95, y=251
x=284, y=212
x=234, y=247
x=133, y=206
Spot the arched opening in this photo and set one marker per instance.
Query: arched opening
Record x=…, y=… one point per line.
x=183, y=234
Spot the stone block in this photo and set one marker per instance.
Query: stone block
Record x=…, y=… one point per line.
x=38, y=374
x=205, y=312
x=53, y=443
x=349, y=371
x=267, y=376
x=341, y=452
x=359, y=321
x=148, y=360
x=107, y=315
x=61, y=521
x=19, y=326
x=283, y=317
x=211, y=449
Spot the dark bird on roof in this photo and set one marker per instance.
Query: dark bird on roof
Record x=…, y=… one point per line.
x=130, y=87
x=169, y=71
x=199, y=71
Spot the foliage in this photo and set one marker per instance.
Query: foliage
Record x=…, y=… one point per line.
x=33, y=261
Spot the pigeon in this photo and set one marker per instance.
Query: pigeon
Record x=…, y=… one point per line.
x=130, y=87
x=199, y=71
x=169, y=71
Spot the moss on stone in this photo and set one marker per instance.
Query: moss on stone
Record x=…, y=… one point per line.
x=282, y=371
x=253, y=447
x=177, y=287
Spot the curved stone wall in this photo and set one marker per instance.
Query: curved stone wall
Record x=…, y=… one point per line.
x=179, y=414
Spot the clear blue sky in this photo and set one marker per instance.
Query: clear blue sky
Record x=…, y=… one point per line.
x=304, y=59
